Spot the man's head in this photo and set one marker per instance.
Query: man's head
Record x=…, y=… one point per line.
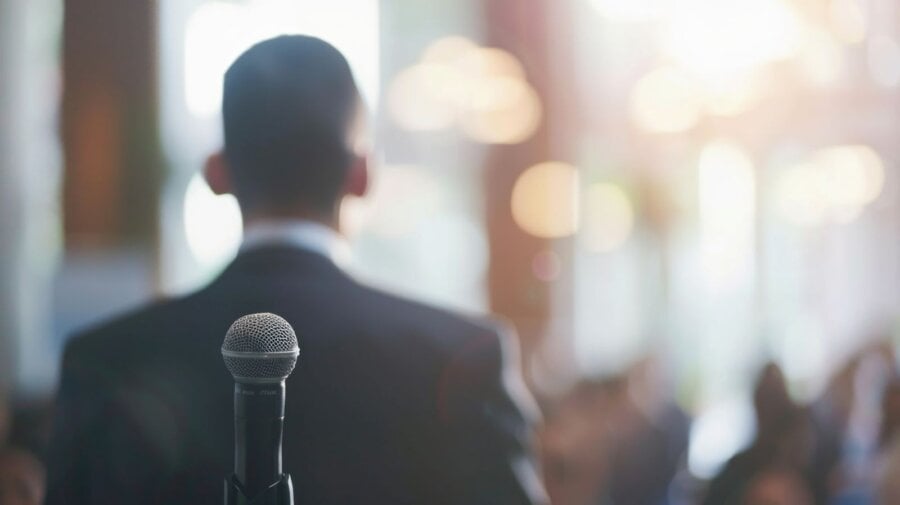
x=291, y=111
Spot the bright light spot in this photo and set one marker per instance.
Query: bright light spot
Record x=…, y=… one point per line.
x=727, y=193
x=218, y=31
x=717, y=434
x=608, y=217
x=491, y=61
x=665, y=100
x=545, y=200
x=212, y=223
x=448, y=50
x=628, y=10
x=729, y=97
x=422, y=97
x=835, y=184
x=849, y=176
x=481, y=90
x=214, y=37
x=821, y=58
x=501, y=110
x=848, y=20
x=716, y=38
x=797, y=197
x=884, y=61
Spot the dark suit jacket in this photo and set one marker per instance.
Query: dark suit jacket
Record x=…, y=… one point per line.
x=392, y=402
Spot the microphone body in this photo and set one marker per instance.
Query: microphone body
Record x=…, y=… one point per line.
x=260, y=351
x=258, y=429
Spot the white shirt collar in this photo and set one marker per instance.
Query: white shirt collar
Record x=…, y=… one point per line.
x=307, y=235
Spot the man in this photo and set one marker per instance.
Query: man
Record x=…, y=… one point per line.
x=392, y=403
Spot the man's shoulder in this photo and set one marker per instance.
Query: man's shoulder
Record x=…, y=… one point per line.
x=452, y=324
x=118, y=335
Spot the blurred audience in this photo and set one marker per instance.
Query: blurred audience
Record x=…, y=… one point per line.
x=776, y=463
x=21, y=478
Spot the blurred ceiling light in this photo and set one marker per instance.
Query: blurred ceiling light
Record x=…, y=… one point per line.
x=545, y=200
x=665, y=101
x=821, y=58
x=423, y=97
x=884, y=61
x=727, y=205
x=716, y=38
x=835, y=184
x=608, y=217
x=848, y=20
x=212, y=223
x=501, y=110
x=628, y=10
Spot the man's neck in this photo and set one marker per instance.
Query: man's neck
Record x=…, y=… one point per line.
x=253, y=218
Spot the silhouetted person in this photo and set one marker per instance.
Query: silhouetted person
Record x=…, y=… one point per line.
x=393, y=402
x=782, y=448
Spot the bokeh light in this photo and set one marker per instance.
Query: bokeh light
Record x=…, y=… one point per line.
x=212, y=223
x=501, y=110
x=608, y=217
x=833, y=184
x=448, y=50
x=716, y=38
x=422, y=97
x=628, y=10
x=727, y=204
x=848, y=20
x=480, y=90
x=665, y=101
x=545, y=200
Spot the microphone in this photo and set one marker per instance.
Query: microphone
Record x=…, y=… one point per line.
x=260, y=351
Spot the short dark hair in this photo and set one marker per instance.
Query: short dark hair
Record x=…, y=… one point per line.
x=289, y=106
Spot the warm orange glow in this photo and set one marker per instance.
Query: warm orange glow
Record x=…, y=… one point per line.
x=545, y=200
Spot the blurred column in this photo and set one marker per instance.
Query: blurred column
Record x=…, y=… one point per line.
x=113, y=167
x=526, y=29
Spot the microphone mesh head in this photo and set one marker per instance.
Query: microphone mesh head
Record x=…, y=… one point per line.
x=260, y=348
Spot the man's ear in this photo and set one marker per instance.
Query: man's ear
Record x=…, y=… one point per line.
x=358, y=177
x=215, y=171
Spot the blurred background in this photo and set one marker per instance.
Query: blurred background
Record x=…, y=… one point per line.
x=689, y=210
